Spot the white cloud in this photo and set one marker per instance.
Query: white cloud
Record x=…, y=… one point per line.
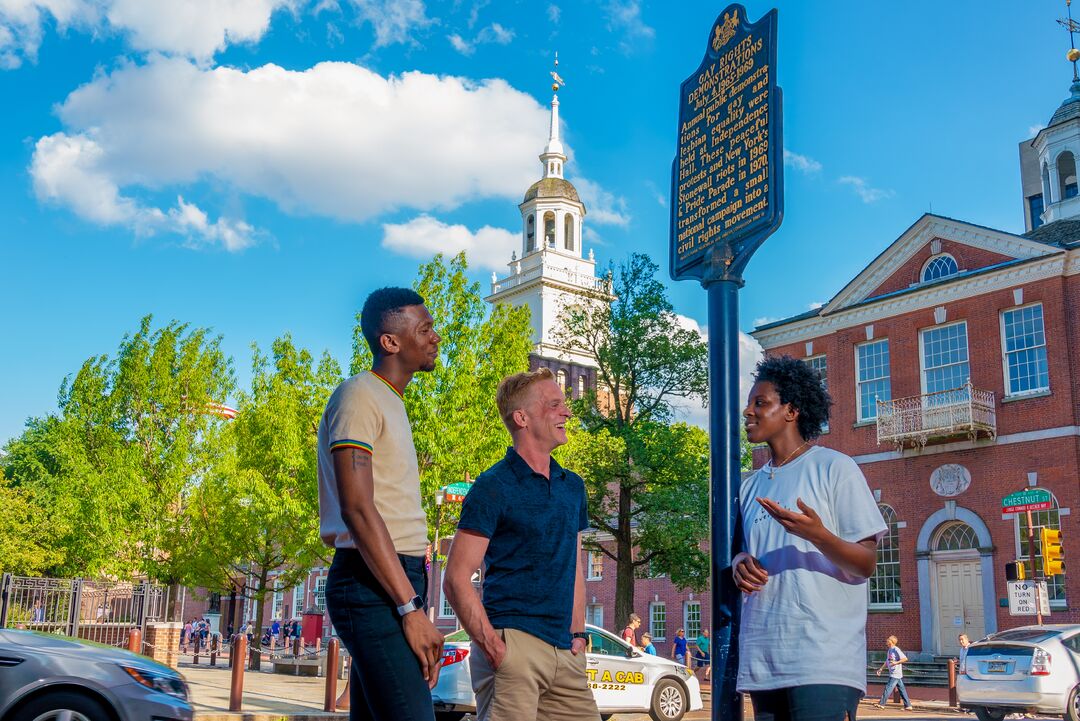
x=802, y=163
x=73, y=170
x=554, y=13
x=764, y=320
x=1033, y=130
x=336, y=140
x=394, y=21
x=601, y=206
x=624, y=18
x=863, y=189
x=815, y=305
x=192, y=28
x=424, y=236
x=494, y=33
x=692, y=410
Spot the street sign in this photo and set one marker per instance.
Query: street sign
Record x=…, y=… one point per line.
x=456, y=492
x=1029, y=499
x=1022, y=598
x=727, y=176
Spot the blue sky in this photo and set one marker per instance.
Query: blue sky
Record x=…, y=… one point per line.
x=258, y=166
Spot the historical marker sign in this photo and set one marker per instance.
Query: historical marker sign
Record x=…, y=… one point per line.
x=727, y=176
x=1029, y=499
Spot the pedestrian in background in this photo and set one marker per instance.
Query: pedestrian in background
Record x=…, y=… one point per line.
x=810, y=529
x=894, y=661
x=629, y=634
x=703, y=648
x=964, y=642
x=678, y=647
x=647, y=644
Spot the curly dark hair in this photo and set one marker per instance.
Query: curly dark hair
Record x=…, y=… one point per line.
x=800, y=385
x=379, y=310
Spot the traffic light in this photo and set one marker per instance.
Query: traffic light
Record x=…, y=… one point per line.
x=1052, y=553
x=1015, y=571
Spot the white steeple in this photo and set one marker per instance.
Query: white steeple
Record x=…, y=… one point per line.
x=553, y=156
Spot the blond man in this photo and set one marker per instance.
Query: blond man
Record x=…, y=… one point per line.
x=523, y=519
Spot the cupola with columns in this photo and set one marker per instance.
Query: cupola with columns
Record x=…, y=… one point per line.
x=551, y=272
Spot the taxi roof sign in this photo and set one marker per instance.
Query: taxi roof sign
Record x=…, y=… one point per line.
x=1029, y=499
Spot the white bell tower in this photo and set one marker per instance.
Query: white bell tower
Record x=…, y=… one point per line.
x=551, y=272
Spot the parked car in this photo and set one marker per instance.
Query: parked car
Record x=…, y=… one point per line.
x=1031, y=669
x=46, y=677
x=623, y=680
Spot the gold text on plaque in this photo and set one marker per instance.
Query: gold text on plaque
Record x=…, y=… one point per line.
x=725, y=30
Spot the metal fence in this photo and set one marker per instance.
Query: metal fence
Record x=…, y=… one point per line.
x=101, y=611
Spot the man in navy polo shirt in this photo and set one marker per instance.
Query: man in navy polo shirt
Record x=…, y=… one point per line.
x=523, y=519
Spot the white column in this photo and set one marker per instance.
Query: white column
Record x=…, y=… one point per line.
x=1055, y=189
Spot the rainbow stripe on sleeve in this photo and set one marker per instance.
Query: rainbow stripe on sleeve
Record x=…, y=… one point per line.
x=346, y=443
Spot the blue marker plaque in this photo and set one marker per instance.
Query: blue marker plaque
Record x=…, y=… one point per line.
x=727, y=176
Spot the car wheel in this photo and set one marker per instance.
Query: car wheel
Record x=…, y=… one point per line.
x=988, y=713
x=449, y=715
x=64, y=705
x=1072, y=711
x=669, y=701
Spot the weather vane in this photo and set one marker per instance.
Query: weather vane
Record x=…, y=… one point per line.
x=1073, y=27
x=559, y=82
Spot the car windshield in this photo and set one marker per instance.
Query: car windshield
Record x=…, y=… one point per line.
x=1029, y=635
x=459, y=636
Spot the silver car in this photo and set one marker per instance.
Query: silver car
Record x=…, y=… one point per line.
x=45, y=677
x=622, y=679
x=1032, y=669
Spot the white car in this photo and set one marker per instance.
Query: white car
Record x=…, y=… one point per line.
x=622, y=679
x=1031, y=669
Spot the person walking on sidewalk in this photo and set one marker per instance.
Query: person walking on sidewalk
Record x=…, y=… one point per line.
x=370, y=513
x=678, y=647
x=894, y=661
x=523, y=520
x=810, y=531
x=629, y=634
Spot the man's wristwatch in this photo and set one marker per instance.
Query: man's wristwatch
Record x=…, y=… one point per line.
x=413, y=604
x=580, y=634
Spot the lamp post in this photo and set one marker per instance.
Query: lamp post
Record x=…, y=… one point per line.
x=440, y=498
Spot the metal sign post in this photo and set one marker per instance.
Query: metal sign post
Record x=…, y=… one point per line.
x=727, y=198
x=1028, y=500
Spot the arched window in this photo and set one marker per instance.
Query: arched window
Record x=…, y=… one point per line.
x=581, y=386
x=940, y=266
x=530, y=233
x=884, y=586
x=549, y=229
x=568, y=232
x=956, y=536
x=1055, y=585
x=560, y=378
x=1066, y=167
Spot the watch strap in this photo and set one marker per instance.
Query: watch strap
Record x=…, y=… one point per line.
x=580, y=634
x=413, y=604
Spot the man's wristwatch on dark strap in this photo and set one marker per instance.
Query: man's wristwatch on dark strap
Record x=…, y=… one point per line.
x=580, y=634
x=413, y=604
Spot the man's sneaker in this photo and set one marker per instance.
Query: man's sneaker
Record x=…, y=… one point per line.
x=879, y=705
x=909, y=708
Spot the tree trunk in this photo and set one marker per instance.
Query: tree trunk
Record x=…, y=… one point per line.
x=624, y=564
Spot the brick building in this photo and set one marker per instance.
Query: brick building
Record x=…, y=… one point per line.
x=954, y=365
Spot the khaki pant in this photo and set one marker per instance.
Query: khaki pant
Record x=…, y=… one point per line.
x=534, y=682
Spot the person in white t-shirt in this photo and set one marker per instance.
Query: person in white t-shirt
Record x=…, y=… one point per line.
x=810, y=528
x=894, y=661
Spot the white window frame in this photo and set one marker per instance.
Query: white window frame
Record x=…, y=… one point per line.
x=892, y=536
x=691, y=631
x=1005, y=353
x=279, y=601
x=445, y=609
x=298, y=597
x=922, y=352
x=860, y=418
x=320, y=593
x=595, y=558
x=810, y=360
x=661, y=634
x=931, y=259
x=596, y=619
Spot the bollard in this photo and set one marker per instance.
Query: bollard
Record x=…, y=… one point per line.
x=296, y=646
x=236, y=688
x=254, y=659
x=135, y=640
x=330, y=698
x=318, y=644
x=953, y=700
x=195, y=658
x=215, y=643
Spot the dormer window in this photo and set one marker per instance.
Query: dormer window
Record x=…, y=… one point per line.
x=940, y=266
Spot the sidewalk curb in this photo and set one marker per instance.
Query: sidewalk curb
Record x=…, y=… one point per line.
x=931, y=706
x=269, y=716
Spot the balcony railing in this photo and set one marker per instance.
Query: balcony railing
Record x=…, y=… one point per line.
x=963, y=411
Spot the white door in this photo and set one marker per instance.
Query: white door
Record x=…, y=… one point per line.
x=959, y=603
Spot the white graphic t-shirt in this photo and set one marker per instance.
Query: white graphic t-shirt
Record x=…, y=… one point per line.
x=896, y=669
x=808, y=623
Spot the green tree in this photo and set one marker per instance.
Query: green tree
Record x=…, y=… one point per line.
x=257, y=514
x=647, y=478
x=115, y=464
x=456, y=426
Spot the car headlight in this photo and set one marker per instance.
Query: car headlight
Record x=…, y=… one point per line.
x=686, y=671
x=165, y=683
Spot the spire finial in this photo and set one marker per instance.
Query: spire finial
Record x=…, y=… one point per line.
x=1073, y=27
x=558, y=81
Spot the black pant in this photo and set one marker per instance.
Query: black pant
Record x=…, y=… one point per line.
x=814, y=702
x=386, y=681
